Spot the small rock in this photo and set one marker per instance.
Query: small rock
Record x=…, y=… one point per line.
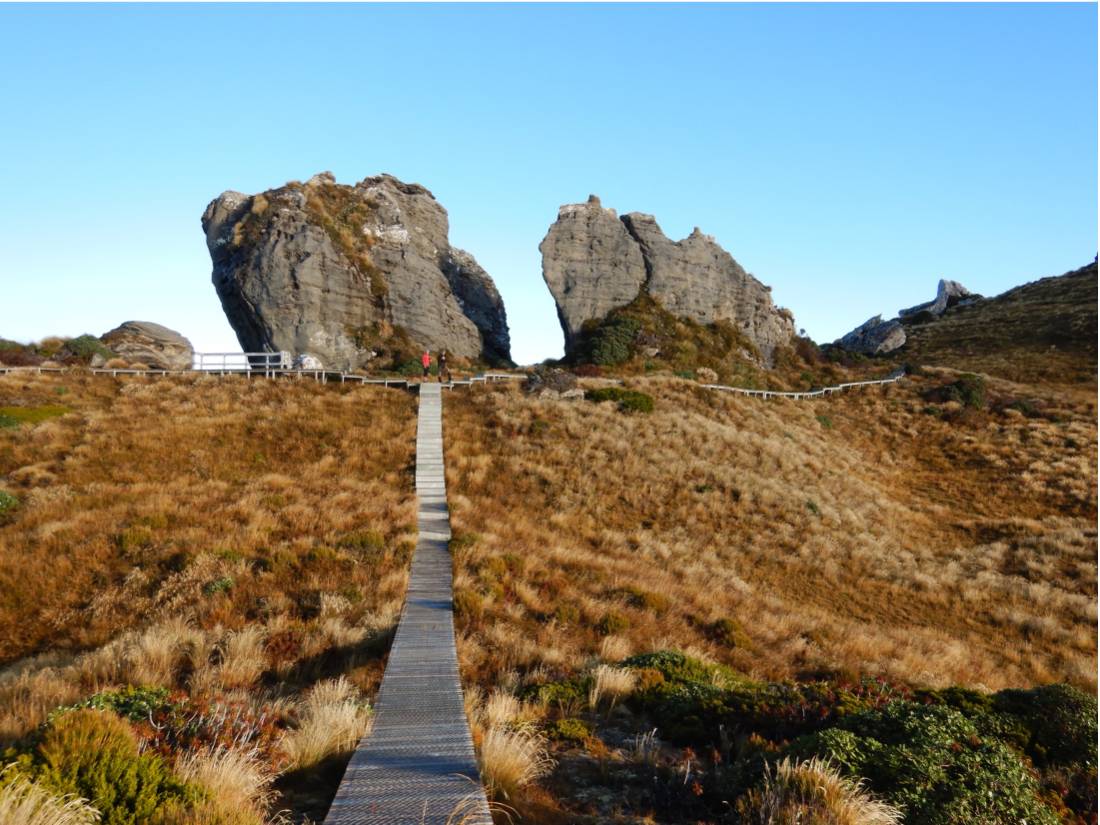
x=305, y=361
x=150, y=344
x=549, y=382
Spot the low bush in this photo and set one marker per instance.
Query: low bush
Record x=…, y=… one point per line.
x=95, y=755
x=932, y=761
x=83, y=348
x=628, y=400
x=569, y=730
x=134, y=703
x=612, y=342
x=969, y=391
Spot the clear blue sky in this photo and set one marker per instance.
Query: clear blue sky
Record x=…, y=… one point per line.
x=847, y=155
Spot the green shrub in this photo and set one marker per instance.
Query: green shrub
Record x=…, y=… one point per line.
x=612, y=342
x=569, y=730
x=220, y=585
x=675, y=666
x=84, y=347
x=825, y=421
x=932, y=761
x=1059, y=722
x=568, y=695
x=134, y=703
x=94, y=754
x=970, y=391
x=628, y=400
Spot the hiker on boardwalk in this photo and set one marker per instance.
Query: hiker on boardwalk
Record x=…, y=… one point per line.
x=443, y=366
x=426, y=362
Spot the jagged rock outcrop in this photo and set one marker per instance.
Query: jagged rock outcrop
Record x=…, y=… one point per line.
x=591, y=264
x=151, y=344
x=874, y=337
x=878, y=337
x=595, y=262
x=341, y=273
x=948, y=293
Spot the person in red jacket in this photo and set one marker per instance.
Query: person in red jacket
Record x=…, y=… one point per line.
x=426, y=361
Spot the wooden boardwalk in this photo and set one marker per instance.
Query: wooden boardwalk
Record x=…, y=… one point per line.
x=417, y=766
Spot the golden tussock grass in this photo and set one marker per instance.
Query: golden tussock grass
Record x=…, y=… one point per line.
x=331, y=720
x=855, y=535
x=813, y=793
x=239, y=782
x=23, y=802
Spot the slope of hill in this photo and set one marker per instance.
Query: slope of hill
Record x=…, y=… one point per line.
x=878, y=542
x=1041, y=331
x=222, y=562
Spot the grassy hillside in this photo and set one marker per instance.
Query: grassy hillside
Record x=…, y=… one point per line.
x=876, y=543
x=221, y=562
x=1042, y=331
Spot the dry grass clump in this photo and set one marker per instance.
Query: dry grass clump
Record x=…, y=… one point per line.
x=23, y=802
x=609, y=685
x=239, y=782
x=856, y=535
x=511, y=759
x=813, y=793
x=331, y=720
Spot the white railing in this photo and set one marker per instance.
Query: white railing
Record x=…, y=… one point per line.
x=240, y=361
x=800, y=394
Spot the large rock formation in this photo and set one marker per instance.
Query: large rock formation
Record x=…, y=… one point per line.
x=948, y=294
x=594, y=262
x=341, y=273
x=874, y=337
x=150, y=344
x=878, y=337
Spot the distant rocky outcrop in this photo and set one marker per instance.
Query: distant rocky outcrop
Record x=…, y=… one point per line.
x=594, y=262
x=151, y=344
x=948, y=294
x=343, y=274
x=878, y=337
x=874, y=337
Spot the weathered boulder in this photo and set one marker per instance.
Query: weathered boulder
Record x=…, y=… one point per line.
x=594, y=262
x=948, y=293
x=151, y=344
x=344, y=272
x=874, y=337
x=550, y=382
x=591, y=264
